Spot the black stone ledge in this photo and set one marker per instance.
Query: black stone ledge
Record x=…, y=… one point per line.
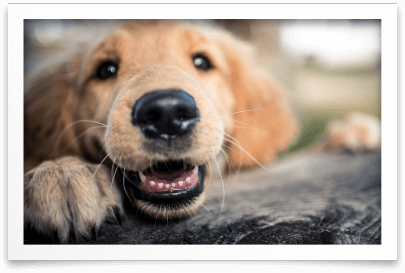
x=306, y=199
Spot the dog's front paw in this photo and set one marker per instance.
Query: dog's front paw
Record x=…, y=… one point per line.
x=69, y=198
x=357, y=133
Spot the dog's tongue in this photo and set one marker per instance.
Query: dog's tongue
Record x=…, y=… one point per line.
x=174, y=181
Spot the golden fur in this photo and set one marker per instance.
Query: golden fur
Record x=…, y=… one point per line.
x=73, y=122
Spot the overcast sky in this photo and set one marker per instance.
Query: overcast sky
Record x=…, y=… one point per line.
x=333, y=42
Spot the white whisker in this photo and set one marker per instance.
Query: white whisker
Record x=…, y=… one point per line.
x=112, y=180
x=87, y=120
x=205, y=207
x=223, y=186
x=240, y=151
x=247, y=126
x=85, y=131
x=116, y=220
x=240, y=122
x=249, y=110
x=226, y=146
x=70, y=125
x=125, y=190
x=257, y=162
x=186, y=210
x=94, y=174
x=113, y=175
x=228, y=160
x=80, y=121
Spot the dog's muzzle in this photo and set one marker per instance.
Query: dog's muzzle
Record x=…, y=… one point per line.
x=166, y=119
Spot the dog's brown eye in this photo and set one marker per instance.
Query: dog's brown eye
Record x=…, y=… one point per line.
x=107, y=70
x=202, y=62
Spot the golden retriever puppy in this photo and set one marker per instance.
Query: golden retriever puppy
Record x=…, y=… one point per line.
x=151, y=103
x=140, y=113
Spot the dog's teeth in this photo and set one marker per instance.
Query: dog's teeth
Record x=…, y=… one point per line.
x=188, y=179
x=173, y=184
x=167, y=185
x=195, y=170
x=152, y=183
x=181, y=183
x=160, y=185
x=142, y=176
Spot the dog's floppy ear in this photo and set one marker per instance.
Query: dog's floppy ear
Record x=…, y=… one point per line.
x=47, y=111
x=259, y=105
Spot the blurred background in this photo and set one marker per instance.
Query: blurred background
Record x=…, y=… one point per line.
x=329, y=68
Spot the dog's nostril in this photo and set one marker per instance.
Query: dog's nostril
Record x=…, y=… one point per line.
x=152, y=116
x=165, y=114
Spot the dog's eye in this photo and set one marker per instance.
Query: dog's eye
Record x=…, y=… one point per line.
x=202, y=62
x=107, y=70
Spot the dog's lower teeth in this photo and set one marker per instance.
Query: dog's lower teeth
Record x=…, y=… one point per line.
x=169, y=180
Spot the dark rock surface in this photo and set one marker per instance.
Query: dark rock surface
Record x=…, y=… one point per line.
x=307, y=199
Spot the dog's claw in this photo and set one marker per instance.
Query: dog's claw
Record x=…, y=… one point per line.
x=94, y=234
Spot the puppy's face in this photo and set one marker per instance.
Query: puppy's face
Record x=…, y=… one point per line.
x=166, y=97
x=161, y=90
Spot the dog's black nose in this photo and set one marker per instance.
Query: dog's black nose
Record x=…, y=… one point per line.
x=165, y=114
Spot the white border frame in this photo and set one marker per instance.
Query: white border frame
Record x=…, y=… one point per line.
x=18, y=251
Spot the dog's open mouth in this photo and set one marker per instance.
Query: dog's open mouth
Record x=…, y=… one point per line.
x=167, y=182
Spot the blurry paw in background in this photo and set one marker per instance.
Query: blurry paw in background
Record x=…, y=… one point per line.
x=357, y=133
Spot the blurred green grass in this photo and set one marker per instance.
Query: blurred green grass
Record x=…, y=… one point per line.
x=343, y=91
